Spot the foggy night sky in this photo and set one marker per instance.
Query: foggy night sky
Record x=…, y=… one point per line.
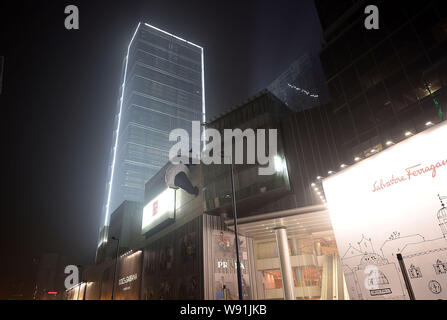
x=60, y=91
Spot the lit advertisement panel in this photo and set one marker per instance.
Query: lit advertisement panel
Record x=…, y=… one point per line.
x=394, y=202
x=223, y=255
x=129, y=277
x=159, y=210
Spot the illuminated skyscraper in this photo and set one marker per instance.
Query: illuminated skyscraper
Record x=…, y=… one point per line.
x=162, y=89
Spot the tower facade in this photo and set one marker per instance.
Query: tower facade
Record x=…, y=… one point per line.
x=162, y=89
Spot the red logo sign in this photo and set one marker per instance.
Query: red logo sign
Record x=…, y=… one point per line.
x=155, y=208
x=411, y=173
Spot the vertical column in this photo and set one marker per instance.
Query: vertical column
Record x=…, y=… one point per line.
x=297, y=270
x=317, y=248
x=316, y=253
x=286, y=265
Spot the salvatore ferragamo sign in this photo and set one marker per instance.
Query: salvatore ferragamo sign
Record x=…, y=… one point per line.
x=410, y=174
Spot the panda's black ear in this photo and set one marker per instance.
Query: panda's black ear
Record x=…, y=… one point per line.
x=181, y=180
x=196, y=191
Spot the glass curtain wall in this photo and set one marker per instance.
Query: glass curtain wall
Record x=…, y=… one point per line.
x=316, y=269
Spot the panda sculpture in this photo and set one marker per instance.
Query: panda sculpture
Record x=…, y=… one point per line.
x=176, y=176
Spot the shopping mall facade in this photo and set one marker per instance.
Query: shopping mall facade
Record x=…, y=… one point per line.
x=360, y=179
x=189, y=251
x=288, y=245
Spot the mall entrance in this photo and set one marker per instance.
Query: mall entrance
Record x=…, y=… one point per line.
x=295, y=255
